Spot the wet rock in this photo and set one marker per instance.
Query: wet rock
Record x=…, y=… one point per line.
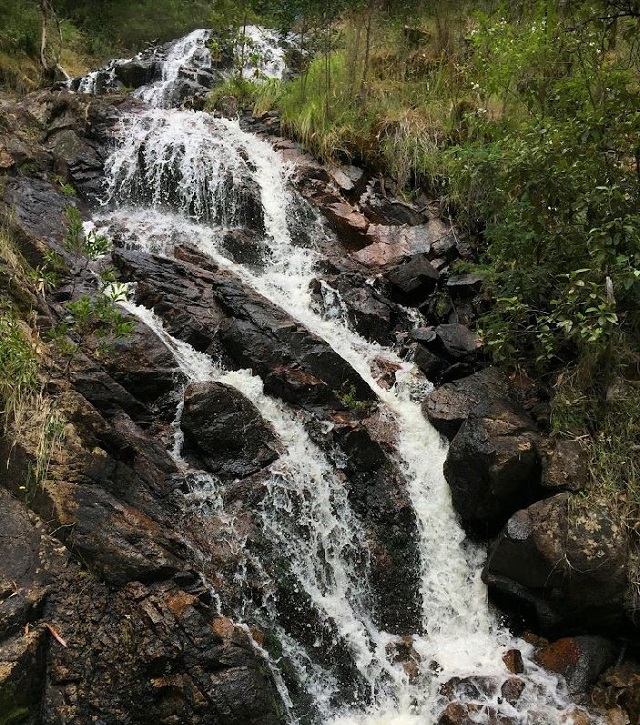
x=137, y=72
x=512, y=689
x=226, y=431
x=413, y=281
x=580, y=660
x=38, y=207
x=564, y=560
x=565, y=465
x=368, y=310
x=455, y=714
x=247, y=247
x=213, y=309
x=513, y=661
x=143, y=365
x=448, y=406
x=493, y=466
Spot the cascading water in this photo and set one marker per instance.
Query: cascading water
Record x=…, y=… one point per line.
x=184, y=176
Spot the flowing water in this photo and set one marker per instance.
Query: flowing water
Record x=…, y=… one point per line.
x=185, y=177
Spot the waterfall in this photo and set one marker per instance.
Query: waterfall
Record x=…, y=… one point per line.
x=179, y=176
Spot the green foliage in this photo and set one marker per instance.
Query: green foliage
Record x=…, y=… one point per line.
x=18, y=370
x=347, y=395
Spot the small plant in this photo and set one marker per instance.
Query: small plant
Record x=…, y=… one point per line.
x=347, y=395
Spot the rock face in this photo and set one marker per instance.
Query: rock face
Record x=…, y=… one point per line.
x=226, y=431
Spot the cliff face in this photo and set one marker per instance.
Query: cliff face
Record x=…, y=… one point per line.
x=111, y=579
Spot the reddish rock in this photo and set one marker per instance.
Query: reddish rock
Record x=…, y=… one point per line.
x=512, y=690
x=580, y=660
x=513, y=661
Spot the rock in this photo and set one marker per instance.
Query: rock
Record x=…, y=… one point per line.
x=458, y=341
x=143, y=365
x=493, y=466
x=380, y=209
x=513, y=661
x=348, y=179
x=213, y=309
x=137, y=72
x=566, y=561
x=38, y=207
x=389, y=245
x=455, y=714
x=512, y=689
x=464, y=285
x=565, y=466
x=448, y=406
x=247, y=247
x=580, y=660
x=77, y=161
x=413, y=281
x=226, y=431
x=431, y=365
x=349, y=224
x=618, y=692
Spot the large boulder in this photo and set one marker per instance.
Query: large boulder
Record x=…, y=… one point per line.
x=566, y=561
x=493, y=466
x=226, y=431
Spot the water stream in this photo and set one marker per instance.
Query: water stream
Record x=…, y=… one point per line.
x=180, y=176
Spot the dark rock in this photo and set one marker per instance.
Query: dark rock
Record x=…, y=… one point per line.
x=464, y=285
x=380, y=209
x=565, y=560
x=493, y=466
x=247, y=247
x=447, y=407
x=431, y=365
x=580, y=660
x=226, y=430
x=143, y=365
x=459, y=341
x=565, y=466
x=38, y=207
x=137, y=72
x=413, y=281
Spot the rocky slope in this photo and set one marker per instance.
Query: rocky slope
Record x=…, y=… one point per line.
x=110, y=580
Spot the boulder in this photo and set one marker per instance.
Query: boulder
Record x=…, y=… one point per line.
x=389, y=245
x=448, y=406
x=564, y=560
x=493, y=466
x=413, y=281
x=580, y=660
x=226, y=431
x=137, y=72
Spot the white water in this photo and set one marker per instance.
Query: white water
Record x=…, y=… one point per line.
x=188, y=51
x=174, y=178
